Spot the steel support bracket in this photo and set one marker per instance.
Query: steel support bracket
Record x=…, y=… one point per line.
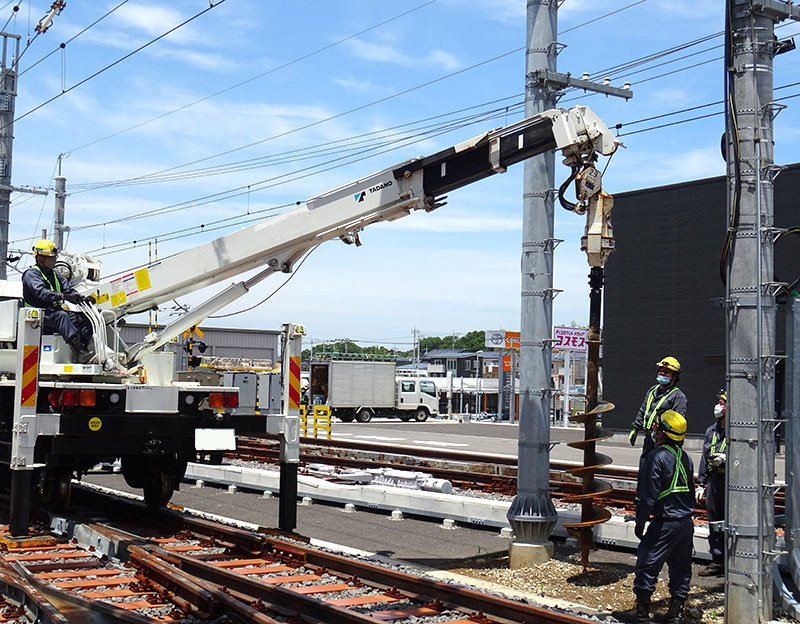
x=558, y=81
x=777, y=10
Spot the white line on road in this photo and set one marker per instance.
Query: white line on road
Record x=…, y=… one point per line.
x=435, y=443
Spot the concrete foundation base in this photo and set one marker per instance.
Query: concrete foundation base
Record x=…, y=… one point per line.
x=527, y=555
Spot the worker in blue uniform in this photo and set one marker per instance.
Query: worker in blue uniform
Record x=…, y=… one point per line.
x=43, y=288
x=711, y=484
x=663, y=396
x=666, y=501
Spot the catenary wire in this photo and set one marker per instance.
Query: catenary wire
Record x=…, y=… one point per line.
x=379, y=101
x=253, y=78
x=154, y=176
x=71, y=39
x=115, y=63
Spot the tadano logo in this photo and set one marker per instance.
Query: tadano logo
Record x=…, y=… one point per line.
x=359, y=197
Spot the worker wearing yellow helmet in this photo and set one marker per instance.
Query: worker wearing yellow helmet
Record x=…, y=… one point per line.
x=43, y=288
x=663, y=396
x=665, y=500
x=711, y=483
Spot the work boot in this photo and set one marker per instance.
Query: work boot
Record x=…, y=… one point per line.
x=79, y=351
x=712, y=569
x=675, y=611
x=641, y=609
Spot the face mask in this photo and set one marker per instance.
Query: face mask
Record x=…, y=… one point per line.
x=662, y=379
x=719, y=411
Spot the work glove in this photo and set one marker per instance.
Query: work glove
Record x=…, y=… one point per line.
x=718, y=460
x=633, y=435
x=74, y=298
x=88, y=300
x=638, y=530
x=700, y=494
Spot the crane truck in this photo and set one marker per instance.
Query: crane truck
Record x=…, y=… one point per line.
x=124, y=403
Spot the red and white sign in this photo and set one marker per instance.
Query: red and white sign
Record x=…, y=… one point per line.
x=570, y=339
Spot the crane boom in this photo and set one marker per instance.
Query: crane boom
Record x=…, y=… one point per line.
x=278, y=242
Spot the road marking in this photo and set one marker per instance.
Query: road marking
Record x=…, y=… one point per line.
x=368, y=437
x=434, y=443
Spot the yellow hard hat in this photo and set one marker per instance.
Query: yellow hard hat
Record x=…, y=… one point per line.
x=44, y=247
x=722, y=395
x=673, y=424
x=670, y=363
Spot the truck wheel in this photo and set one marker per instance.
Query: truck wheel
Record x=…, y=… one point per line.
x=421, y=415
x=405, y=417
x=346, y=417
x=364, y=416
x=158, y=490
x=56, y=489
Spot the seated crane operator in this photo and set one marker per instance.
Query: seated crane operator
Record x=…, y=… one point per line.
x=43, y=288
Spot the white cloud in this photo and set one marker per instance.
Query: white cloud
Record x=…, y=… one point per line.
x=386, y=53
x=153, y=20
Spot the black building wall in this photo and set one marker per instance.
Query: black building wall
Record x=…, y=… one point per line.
x=663, y=286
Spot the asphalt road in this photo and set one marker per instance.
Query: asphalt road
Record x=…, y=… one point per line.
x=496, y=438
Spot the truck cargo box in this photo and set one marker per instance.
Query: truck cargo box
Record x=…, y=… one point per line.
x=356, y=383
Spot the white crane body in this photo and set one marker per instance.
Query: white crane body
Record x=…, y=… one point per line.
x=161, y=424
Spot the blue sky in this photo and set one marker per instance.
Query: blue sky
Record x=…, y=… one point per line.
x=301, y=67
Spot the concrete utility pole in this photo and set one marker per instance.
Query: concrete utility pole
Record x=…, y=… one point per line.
x=532, y=515
x=8, y=95
x=751, y=350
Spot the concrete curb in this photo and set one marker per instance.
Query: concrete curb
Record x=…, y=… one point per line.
x=476, y=511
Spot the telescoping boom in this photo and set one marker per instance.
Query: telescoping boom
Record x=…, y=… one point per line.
x=277, y=243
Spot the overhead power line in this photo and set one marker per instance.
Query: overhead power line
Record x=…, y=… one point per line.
x=254, y=78
x=71, y=39
x=211, y=6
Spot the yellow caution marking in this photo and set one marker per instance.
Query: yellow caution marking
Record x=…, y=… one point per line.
x=95, y=424
x=142, y=279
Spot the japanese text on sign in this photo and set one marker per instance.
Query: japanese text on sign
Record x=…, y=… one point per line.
x=570, y=339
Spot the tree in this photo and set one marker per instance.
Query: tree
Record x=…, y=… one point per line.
x=472, y=341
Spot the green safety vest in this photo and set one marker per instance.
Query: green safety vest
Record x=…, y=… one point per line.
x=57, y=288
x=680, y=471
x=714, y=444
x=713, y=451
x=650, y=416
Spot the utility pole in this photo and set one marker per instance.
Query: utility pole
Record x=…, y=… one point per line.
x=750, y=46
x=58, y=220
x=532, y=515
x=8, y=95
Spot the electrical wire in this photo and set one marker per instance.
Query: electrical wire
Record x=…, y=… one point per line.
x=253, y=78
x=115, y=63
x=379, y=101
x=305, y=152
x=70, y=40
x=269, y=296
x=155, y=176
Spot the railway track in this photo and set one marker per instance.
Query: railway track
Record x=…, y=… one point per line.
x=136, y=565
x=468, y=471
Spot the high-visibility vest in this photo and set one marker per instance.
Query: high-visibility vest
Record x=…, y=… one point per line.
x=680, y=473
x=56, y=304
x=713, y=451
x=650, y=416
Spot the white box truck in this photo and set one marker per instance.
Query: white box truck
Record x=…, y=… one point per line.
x=361, y=389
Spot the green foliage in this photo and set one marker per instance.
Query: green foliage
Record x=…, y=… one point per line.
x=472, y=341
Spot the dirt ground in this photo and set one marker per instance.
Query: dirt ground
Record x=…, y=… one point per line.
x=607, y=586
